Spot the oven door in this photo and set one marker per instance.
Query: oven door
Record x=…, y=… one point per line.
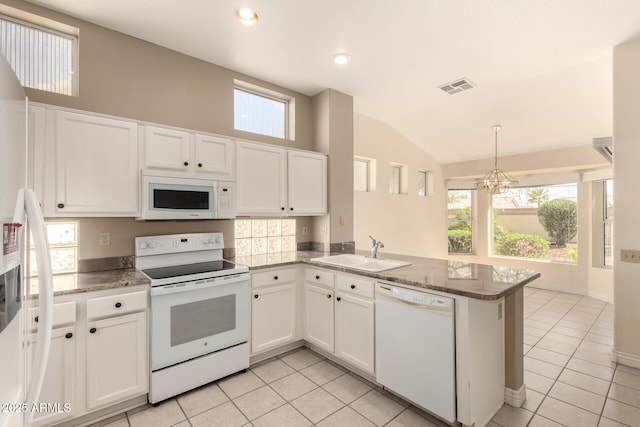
x=195, y=318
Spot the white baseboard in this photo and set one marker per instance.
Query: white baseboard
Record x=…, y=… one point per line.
x=515, y=398
x=576, y=291
x=627, y=359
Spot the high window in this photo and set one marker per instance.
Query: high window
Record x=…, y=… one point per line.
x=42, y=53
x=423, y=183
x=398, y=178
x=537, y=222
x=361, y=175
x=262, y=111
x=460, y=221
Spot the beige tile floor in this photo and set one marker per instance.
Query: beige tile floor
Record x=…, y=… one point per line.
x=569, y=376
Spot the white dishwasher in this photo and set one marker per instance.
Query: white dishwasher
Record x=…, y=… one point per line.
x=415, y=348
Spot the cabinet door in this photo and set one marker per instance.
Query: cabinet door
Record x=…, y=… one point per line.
x=261, y=178
x=273, y=317
x=96, y=167
x=307, y=183
x=318, y=316
x=58, y=387
x=167, y=149
x=214, y=156
x=116, y=359
x=355, y=330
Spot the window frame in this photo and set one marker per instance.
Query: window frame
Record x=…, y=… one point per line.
x=58, y=29
x=287, y=100
x=600, y=222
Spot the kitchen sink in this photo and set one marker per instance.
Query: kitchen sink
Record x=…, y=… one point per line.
x=362, y=263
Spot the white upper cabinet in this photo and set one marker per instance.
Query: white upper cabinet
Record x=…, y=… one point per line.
x=176, y=150
x=261, y=179
x=275, y=181
x=96, y=169
x=167, y=149
x=214, y=155
x=307, y=183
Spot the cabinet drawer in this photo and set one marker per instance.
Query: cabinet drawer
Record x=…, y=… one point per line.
x=273, y=277
x=114, y=305
x=63, y=314
x=320, y=277
x=355, y=285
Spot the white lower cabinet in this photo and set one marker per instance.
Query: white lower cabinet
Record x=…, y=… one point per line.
x=355, y=330
x=94, y=360
x=58, y=387
x=318, y=316
x=116, y=359
x=273, y=317
x=274, y=303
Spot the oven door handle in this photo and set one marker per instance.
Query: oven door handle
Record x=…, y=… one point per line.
x=198, y=284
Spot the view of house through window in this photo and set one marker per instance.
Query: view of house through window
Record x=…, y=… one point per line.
x=538, y=222
x=460, y=221
x=42, y=58
x=262, y=241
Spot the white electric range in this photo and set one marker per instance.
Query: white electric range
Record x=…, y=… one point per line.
x=199, y=311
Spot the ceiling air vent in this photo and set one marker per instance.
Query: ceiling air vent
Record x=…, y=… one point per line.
x=604, y=146
x=457, y=86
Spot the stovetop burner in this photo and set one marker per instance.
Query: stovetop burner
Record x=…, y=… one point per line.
x=189, y=269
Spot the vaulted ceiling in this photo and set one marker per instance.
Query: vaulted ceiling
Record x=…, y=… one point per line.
x=542, y=69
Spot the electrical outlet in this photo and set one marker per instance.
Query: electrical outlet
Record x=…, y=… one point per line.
x=105, y=239
x=629, y=255
x=342, y=219
x=305, y=231
x=323, y=229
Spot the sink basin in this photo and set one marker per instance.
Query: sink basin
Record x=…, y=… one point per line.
x=362, y=263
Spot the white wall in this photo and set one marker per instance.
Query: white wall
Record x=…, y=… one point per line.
x=408, y=223
x=626, y=174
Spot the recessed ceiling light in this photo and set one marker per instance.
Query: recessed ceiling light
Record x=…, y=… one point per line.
x=246, y=15
x=341, y=58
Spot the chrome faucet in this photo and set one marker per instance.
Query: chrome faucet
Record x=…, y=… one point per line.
x=376, y=244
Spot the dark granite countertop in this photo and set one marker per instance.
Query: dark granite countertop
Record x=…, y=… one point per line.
x=479, y=281
x=72, y=283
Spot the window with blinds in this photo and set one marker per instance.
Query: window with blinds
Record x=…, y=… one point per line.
x=42, y=58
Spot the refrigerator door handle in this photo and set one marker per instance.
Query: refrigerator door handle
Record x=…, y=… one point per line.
x=45, y=298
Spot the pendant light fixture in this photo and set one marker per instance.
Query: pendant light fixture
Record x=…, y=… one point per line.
x=496, y=181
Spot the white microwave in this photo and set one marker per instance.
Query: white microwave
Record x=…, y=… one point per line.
x=167, y=197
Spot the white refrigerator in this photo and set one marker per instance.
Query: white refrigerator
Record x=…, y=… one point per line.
x=22, y=366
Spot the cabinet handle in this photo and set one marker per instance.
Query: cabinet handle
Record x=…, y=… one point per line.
x=353, y=286
x=118, y=304
x=36, y=319
x=199, y=165
x=282, y=208
x=318, y=277
x=290, y=209
x=256, y=296
x=92, y=330
x=68, y=335
x=275, y=277
x=338, y=299
x=186, y=163
x=329, y=296
x=60, y=205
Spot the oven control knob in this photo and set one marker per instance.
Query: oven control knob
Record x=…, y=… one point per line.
x=152, y=245
x=144, y=245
